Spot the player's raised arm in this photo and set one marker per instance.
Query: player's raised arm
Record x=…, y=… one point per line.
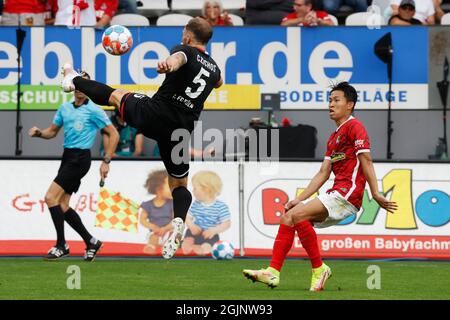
x=172, y=63
x=314, y=185
x=48, y=133
x=369, y=173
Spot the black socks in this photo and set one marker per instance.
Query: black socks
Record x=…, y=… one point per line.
x=98, y=92
x=74, y=220
x=182, y=199
x=58, y=220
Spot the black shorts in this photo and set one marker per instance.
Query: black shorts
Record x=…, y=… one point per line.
x=199, y=239
x=74, y=166
x=158, y=120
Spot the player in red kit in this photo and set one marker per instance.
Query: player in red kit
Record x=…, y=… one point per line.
x=348, y=157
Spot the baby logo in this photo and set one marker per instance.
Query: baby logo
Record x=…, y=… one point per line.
x=432, y=207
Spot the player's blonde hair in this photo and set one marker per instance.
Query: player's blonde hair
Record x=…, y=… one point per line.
x=208, y=179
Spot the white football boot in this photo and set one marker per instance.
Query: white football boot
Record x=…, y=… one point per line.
x=69, y=73
x=174, y=242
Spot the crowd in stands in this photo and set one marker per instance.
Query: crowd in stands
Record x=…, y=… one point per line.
x=99, y=13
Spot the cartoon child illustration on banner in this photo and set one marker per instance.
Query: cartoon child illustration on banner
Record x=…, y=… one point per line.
x=157, y=213
x=208, y=216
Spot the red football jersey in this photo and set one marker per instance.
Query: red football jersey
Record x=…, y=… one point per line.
x=108, y=7
x=319, y=14
x=343, y=147
x=24, y=6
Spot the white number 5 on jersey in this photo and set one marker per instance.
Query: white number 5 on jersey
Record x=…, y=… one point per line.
x=198, y=80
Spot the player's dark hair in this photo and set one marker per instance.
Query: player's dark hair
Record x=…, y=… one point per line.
x=154, y=180
x=201, y=29
x=349, y=91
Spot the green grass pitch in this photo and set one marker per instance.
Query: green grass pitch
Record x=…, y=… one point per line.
x=192, y=279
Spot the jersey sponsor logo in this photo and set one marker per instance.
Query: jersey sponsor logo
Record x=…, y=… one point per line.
x=338, y=139
x=337, y=156
x=359, y=143
x=138, y=96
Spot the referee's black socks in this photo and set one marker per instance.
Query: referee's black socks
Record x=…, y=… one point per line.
x=182, y=199
x=74, y=220
x=98, y=92
x=58, y=220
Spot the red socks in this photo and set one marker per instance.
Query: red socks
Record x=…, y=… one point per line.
x=285, y=238
x=281, y=246
x=308, y=238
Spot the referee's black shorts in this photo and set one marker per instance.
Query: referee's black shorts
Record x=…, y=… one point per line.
x=74, y=166
x=158, y=120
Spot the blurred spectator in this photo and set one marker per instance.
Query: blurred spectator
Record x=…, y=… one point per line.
x=424, y=9
x=131, y=141
x=75, y=13
x=127, y=6
x=333, y=6
x=1, y=10
x=267, y=11
x=438, y=9
x=30, y=12
x=405, y=16
x=304, y=15
x=51, y=7
x=104, y=11
x=213, y=12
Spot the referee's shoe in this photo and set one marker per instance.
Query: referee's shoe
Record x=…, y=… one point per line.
x=92, y=250
x=57, y=252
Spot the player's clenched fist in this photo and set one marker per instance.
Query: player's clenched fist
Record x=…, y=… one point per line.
x=164, y=67
x=34, y=132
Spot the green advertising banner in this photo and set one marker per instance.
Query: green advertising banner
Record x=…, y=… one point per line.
x=33, y=97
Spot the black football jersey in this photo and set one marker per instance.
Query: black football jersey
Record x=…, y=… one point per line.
x=190, y=86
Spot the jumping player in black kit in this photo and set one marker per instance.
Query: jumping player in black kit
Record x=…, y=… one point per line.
x=191, y=74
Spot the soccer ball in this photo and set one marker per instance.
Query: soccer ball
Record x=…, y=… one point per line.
x=117, y=40
x=222, y=250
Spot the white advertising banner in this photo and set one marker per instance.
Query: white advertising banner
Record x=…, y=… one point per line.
x=25, y=222
x=419, y=228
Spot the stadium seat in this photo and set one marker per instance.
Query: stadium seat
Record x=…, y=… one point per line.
x=173, y=19
x=237, y=21
x=445, y=20
x=193, y=7
x=334, y=19
x=384, y=8
x=233, y=5
x=365, y=19
x=153, y=8
x=130, y=19
x=382, y=4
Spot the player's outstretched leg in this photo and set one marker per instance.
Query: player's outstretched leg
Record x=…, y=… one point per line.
x=98, y=92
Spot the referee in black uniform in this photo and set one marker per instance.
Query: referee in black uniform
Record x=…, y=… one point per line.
x=81, y=120
x=191, y=75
